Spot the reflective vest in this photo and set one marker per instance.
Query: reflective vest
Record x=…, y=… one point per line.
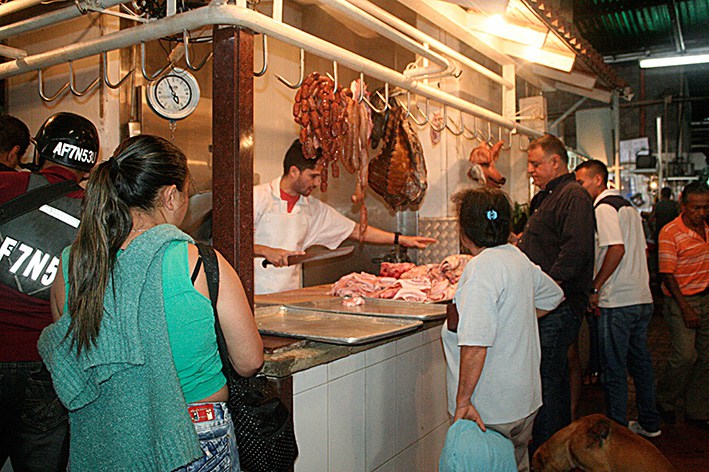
x=31, y=244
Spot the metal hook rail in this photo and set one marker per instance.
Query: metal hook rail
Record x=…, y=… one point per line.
x=147, y=76
x=302, y=73
x=458, y=129
x=226, y=14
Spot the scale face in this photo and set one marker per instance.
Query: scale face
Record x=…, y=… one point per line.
x=173, y=96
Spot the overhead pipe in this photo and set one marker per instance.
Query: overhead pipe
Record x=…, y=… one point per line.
x=17, y=5
x=406, y=28
x=49, y=19
x=440, y=64
x=220, y=14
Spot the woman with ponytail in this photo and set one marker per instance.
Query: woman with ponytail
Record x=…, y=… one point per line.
x=133, y=352
x=493, y=356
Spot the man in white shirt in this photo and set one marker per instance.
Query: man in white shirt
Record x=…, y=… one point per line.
x=287, y=221
x=622, y=292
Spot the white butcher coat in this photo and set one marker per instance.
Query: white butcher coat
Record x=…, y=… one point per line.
x=311, y=222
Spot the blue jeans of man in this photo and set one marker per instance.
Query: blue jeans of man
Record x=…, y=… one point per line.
x=557, y=330
x=623, y=337
x=34, y=425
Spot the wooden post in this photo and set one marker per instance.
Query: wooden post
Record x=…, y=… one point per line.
x=233, y=152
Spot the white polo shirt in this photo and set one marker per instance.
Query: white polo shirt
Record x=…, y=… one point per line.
x=311, y=222
x=629, y=284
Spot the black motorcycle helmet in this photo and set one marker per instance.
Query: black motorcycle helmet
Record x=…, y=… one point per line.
x=67, y=139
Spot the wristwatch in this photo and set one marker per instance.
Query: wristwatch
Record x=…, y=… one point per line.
x=396, y=238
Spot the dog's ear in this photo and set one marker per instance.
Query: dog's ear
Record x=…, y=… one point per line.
x=598, y=432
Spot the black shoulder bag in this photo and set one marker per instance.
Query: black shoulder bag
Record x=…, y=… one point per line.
x=262, y=423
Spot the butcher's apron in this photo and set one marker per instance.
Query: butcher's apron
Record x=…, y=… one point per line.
x=285, y=231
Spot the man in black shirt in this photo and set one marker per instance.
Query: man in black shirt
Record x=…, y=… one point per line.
x=559, y=237
x=14, y=139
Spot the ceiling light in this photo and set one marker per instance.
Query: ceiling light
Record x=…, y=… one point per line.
x=674, y=61
x=497, y=25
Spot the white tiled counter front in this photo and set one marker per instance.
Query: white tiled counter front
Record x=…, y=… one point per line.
x=382, y=409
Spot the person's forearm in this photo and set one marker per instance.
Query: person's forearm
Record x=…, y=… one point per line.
x=672, y=285
x=614, y=255
x=472, y=360
x=260, y=250
x=373, y=235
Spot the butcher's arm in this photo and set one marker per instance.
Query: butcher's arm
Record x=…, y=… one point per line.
x=691, y=319
x=472, y=360
x=377, y=236
x=276, y=256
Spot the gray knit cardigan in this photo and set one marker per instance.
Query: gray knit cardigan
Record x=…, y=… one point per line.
x=126, y=407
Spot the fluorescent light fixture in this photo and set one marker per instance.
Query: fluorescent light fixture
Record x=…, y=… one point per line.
x=497, y=25
x=674, y=61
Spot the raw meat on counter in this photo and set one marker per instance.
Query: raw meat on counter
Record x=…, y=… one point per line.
x=406, y=281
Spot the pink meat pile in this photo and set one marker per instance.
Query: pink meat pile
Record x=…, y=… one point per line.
x=406, y=281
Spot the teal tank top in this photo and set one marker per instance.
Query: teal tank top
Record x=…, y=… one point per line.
x=190, y=326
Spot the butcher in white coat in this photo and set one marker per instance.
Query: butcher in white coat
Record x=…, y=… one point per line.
x=287, y=221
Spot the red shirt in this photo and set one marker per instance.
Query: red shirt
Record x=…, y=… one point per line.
x=22, y=317
x=291, y=200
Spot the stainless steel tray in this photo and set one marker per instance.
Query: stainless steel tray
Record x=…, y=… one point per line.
x=379, y=307
x=328, y=327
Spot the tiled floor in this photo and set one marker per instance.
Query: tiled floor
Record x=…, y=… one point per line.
x=685, y=445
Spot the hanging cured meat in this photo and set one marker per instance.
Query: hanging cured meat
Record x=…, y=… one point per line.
x=398, y=172
x=320, y=110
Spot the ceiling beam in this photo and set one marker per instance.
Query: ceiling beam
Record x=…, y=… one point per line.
x=592, y=10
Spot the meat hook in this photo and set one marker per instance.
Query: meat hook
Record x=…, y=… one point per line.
x=302, y=73
x=425, y=115
x=264, y=51
x=478, y=134
x=106, y=80
x=334, y=76
x=362, y=97
x=509, y=139
x=470, y=134
x=459, y=129
x=186, y=42
x=71, y=83
x=523, y=148
x=41, y=89
x=148, y=77
x=385, y=97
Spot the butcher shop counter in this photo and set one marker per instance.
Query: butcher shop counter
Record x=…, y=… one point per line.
x=379, y=406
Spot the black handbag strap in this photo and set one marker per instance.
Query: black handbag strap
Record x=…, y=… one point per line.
x=34, y=199
x=211, y=271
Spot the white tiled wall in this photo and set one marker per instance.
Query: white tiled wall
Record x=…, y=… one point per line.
x=379, y=410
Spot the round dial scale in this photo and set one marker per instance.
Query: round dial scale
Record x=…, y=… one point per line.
x=173, y=96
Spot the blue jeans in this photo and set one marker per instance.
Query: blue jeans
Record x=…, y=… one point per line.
x=557, y=330
x=623, y=337
x=218, y=442
x=34, y=425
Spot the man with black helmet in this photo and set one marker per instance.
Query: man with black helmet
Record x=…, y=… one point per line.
x=14, y=140
x=39, y=216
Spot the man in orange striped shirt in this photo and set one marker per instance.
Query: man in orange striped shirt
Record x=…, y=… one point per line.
x=684, y=266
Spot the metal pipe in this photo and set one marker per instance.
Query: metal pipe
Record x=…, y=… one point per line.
x=48, y=19
x=216, y=14
x=660, y=167
x=13, y=53
x=424, y=38
x=568, y=112
x=16, y=5
x=441, y=64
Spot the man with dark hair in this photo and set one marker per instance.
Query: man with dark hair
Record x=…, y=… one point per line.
x=684, y=266
x=665, y=210
x=39, y=218
x=287, y=221
x=14, y=140
x=559, y=238
x=622, y=292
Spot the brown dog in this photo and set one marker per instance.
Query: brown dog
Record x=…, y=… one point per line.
x=595, y=443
